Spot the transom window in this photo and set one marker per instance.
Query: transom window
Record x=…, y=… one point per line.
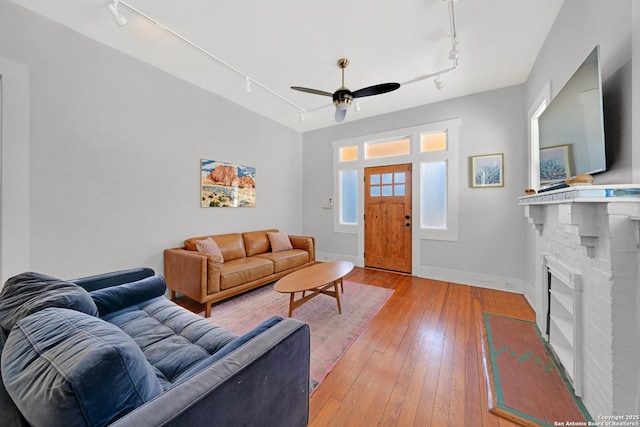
x=375, y=150
x=349, y=154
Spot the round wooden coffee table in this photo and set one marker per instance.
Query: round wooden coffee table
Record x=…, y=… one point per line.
x=318, y=278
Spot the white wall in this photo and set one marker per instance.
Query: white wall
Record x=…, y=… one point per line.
x=579, y=27
x=14, y=170
x=490, y=250
x=114, y=154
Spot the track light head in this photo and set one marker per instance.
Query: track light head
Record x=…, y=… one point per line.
x=247, y=85
x=117, y=16
x=301, y=116
x=454, y=52
x=439, y=83
x=356, y=106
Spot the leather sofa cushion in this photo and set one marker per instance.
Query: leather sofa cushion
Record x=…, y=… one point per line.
x=257, y=242
x=171, y=338
x=231, y=245
x=115, y=298
x=30, y=292
x=98, y=376
x=286, y=259
x=240, y=271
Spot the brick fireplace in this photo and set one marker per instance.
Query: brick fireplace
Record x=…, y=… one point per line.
x=587, y=296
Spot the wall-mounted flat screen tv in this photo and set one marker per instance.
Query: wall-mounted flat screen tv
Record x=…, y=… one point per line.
x=571, y=129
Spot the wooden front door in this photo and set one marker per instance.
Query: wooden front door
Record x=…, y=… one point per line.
x=387, y=217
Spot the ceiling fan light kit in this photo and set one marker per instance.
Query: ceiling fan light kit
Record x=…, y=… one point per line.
x=343, y=98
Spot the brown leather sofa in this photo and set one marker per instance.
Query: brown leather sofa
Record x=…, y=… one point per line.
x=247, y=263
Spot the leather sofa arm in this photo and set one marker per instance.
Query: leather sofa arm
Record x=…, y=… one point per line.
x=305, y=243
x=263, y=383
x=186, y=272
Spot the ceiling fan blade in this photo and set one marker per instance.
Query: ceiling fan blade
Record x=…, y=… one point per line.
x=313, y=91
x=375, y=90
x=340, y=114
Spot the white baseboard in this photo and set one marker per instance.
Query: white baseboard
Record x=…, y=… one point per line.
x=326, y=256
x=500, y=283
x=481, y=280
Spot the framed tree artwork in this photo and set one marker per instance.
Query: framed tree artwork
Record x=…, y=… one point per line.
x=487, y=171
x=554, y=164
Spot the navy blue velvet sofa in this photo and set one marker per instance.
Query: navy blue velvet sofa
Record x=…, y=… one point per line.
x=112, y=350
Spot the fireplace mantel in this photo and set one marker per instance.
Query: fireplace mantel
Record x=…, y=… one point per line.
x=585, y=194
x=594, y=232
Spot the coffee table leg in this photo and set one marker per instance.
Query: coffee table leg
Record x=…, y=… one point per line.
x=335, y=286
x=291, y=303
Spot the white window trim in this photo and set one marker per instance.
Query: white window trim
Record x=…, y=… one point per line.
x=539, y=105
x=415, y=158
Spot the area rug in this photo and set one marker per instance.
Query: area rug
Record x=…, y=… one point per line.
x=331, y=333
x=525, y=382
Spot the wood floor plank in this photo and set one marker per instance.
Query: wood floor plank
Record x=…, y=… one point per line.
x=418, y=362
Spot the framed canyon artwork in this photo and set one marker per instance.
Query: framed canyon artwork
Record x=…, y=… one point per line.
x=226, y=185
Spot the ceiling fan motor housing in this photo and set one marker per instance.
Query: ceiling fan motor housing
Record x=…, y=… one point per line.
x=342, y=98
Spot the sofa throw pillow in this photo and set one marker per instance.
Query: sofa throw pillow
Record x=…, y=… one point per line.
x=279, y=241
x=60, y=364
x=30, y=292
x=210, y=247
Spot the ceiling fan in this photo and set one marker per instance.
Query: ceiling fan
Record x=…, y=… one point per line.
x=343, y=97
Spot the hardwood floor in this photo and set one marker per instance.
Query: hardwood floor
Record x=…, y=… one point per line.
x=418, y=363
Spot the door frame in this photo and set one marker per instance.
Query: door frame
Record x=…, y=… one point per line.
x=454, y=169
x=410, y=213
x=415, y=198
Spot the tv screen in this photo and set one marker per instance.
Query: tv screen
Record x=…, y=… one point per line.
x=571, y=129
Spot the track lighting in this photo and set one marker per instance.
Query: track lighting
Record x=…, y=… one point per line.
x=117, y=16
x=454, y=52
x=439, y=83
x=341, y=107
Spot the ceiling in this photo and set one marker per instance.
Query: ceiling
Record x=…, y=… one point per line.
x=283, y=43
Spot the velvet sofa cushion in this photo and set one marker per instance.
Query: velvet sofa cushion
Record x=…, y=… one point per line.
x=9, y=413
x=99, y=373
x=30, y=292
x=114, y=298
x=172, y=339
x=227, y=349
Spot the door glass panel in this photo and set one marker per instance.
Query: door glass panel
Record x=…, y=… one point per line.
x=375, y=191
x=398, y=177
x=398, y=190
x=375, y=179
x=387, y=190
x=387, y=178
